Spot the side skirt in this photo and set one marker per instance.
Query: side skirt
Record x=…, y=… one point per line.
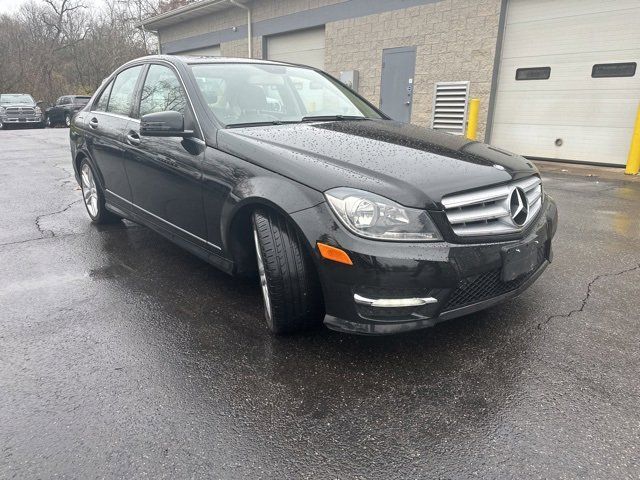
x=134, y=213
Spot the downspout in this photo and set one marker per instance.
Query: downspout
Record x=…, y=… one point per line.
x=249, y=32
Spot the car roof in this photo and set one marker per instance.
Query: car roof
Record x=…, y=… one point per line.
x=201, y=59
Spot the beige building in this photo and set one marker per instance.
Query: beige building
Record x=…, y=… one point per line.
x=556, y=79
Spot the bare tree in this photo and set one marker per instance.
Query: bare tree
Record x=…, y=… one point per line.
x=56, y=47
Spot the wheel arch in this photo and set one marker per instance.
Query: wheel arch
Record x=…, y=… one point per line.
x=82, y=155
x=282, y=197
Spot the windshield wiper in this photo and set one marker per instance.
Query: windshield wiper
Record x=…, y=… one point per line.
x=260, y=124
x=329, y=118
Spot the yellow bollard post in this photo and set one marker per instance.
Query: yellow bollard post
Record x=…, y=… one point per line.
x=472, y=122
x=633, y=161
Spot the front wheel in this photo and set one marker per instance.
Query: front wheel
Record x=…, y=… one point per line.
x=288, y=280
x=93, y=197
x=48, y=122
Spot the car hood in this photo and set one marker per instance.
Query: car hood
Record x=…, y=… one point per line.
x=412, y=165
x=14, y=105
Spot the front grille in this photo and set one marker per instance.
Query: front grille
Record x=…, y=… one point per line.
x=482, y=287
x=488, y=212
x=20, y=111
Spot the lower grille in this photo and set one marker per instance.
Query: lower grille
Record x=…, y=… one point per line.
x=483, y=287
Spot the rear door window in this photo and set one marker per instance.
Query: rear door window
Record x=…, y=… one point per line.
x=123, y=91
x=103, y=100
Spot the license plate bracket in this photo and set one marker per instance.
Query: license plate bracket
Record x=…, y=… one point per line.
x=521, y=259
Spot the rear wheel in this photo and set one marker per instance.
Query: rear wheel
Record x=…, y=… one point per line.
x=48, y=121
x=93, y=197
x=67, y=120
x=289, y=283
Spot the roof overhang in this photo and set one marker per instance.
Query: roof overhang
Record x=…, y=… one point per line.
x=193, y=10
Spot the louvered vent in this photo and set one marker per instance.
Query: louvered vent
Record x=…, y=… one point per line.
x=450, y=107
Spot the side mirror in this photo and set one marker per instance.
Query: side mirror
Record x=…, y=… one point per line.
x=164, y=124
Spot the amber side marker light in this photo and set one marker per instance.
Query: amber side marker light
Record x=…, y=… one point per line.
x=334, y=254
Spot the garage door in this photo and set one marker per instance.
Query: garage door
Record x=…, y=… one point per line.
x=207, y=51
x=305, y=47
x=569, y=84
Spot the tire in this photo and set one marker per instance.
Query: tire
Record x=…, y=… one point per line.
x=2, y=127
x=67, y=120
x=289, y=283
x=93, y=197
x=48, y=122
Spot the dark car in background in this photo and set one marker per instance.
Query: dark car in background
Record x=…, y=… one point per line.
x=64, y=109
x=282, y=172
x=19, y=109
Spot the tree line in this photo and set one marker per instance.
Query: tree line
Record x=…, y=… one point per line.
x=50, y=48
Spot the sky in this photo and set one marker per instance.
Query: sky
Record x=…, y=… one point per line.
x=10, y=6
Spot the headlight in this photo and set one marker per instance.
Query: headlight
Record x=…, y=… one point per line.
x=372, y=216
x=37, y=110
x=2, y=110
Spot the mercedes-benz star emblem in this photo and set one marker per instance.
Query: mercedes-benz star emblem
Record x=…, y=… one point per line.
x=519, y=206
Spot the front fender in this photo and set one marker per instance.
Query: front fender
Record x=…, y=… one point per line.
x=280, y=194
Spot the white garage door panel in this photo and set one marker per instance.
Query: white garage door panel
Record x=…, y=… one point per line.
x=533, y=10
x=587, y=108
x=206, y=51
x=305, y=47
x=595, y=144
x=593, y=116
x=603, y=32
x=568, y=71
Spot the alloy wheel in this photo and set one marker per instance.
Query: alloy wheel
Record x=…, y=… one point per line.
x=67, y=120
x=89, y=190
x=263, y=279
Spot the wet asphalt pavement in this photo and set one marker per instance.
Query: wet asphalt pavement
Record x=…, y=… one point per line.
x=123, y=356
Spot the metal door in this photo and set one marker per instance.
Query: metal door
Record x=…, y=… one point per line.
x=396, y=91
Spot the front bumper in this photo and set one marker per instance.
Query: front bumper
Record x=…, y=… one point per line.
x=452, y=279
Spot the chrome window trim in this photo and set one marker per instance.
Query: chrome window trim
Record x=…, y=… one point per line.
x=116, y=115
x=163, y=220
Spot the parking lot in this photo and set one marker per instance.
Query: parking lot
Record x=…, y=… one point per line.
x=124, y=356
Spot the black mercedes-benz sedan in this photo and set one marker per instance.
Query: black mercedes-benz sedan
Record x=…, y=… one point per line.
x=282, y=172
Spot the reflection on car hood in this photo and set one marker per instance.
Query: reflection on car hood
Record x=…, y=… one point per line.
x=412, y=165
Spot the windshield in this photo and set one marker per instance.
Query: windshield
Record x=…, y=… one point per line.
x=16, y=98
x=241, y=94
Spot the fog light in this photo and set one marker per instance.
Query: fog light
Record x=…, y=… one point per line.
x=394, y=302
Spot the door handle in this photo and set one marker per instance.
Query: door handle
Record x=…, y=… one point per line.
x=133, y=138
x=93, y=123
